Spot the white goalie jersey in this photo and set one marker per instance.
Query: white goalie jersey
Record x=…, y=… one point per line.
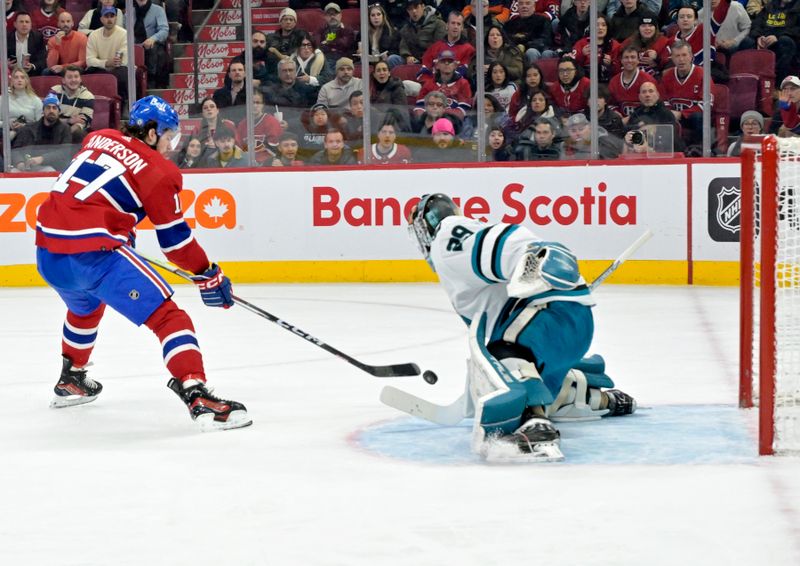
x=475, y=262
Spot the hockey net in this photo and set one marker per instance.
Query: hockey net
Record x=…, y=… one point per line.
x=770, y=291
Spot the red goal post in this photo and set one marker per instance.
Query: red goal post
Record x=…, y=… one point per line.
x=769, y=339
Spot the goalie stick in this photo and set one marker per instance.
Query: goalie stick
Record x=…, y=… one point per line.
x=458, y=410
x=393, y=370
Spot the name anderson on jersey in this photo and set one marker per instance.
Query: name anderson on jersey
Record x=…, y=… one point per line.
x=126, y=156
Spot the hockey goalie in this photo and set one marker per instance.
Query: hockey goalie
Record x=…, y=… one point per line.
x=530, y=319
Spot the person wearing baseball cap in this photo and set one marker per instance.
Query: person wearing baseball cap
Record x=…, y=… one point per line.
x=789, y=104
x=336, y=93
x=43, y=145
x=447, y=80
x=336, y=40
x=578, y=144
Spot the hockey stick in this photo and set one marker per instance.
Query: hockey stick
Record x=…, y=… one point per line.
x=394, y=370
x=455, y=412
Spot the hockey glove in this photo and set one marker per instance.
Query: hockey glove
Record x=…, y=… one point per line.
x=215, y=287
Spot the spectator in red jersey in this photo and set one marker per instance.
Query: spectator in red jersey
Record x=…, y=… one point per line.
x=533, y=32
x=571, y=92
x=266, y=130
x=789, y=106
x=690, y=30
x=624, y=87
x=45, y=19
x=286, y=152
x=26, y=47
x=334, y=39
x=682, y=88
x=12, y=7
x=67, y=47
x=534, y=80
x=608, y=52
x=385, y=151
x=651, y=45
x=455, y=87
x=777, y=28
x=455, y=42
x=423, y=28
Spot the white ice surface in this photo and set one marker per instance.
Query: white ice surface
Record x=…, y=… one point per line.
x=128, y=480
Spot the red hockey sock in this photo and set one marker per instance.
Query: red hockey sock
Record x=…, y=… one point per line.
x=178, y=343
x=79, y=334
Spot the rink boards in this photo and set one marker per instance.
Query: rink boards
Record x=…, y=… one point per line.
x=315, y=225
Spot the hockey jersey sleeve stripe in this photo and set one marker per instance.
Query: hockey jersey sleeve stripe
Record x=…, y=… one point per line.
x=147, y=271
x=488, y=252
x=174, y=237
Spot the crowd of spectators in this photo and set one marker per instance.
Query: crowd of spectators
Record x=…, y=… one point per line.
x=307, y=93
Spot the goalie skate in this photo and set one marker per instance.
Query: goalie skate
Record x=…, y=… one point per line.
x=535, y=441
x=209, y=411
x=74, y=387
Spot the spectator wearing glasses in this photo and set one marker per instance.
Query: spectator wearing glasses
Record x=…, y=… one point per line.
x=752, y=124
x=455, y=42
x=448, y=81
x=435, y=107
x=571, y=92
x=335, y=39
x=310, y=62
x=289, y=91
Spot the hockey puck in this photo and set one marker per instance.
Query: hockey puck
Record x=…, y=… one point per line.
x=430, y=377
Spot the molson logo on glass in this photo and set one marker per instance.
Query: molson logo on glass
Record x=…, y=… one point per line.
x=212, y=209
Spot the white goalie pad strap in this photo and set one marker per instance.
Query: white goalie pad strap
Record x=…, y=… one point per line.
x=571, y=405
x=520, y=322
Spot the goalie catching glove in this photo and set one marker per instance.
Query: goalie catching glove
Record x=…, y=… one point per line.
x=544, y=266
x=215, y=287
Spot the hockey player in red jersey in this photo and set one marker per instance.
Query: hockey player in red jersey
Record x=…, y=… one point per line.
x=84, y=239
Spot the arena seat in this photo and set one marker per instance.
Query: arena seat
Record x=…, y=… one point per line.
x=311, y=20
x=721, y=116
x=759, y=62
x=744, y=93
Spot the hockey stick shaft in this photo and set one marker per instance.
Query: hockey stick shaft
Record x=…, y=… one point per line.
x=629, y=251
x=452, y=414
x=394, y=370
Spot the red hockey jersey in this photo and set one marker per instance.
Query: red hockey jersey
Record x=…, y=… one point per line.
x=685, y=94
x=573, y=100
x=398, y=154
x=625, y=95
x=108, y=188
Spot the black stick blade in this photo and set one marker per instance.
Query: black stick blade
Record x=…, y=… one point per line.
x=397, y=370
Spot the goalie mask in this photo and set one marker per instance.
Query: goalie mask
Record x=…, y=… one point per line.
x=425, y=218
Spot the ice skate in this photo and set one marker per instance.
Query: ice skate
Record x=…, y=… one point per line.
x=619, y=403
x=207, y=410
x=74, y=387
x=535, y=441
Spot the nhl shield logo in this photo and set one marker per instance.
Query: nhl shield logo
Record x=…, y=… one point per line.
x=724, y=207
x=729, y=205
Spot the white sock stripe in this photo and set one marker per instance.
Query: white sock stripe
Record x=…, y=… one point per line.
x=182, y=348
x=81, y=331
x=176, y=334
x=77, y=346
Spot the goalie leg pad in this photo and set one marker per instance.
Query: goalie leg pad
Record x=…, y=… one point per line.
x=576, y=401
x=591, y=364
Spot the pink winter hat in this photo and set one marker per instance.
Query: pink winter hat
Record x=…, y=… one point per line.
x=443, y=125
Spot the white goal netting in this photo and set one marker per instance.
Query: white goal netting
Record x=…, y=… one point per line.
x=786, y=304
